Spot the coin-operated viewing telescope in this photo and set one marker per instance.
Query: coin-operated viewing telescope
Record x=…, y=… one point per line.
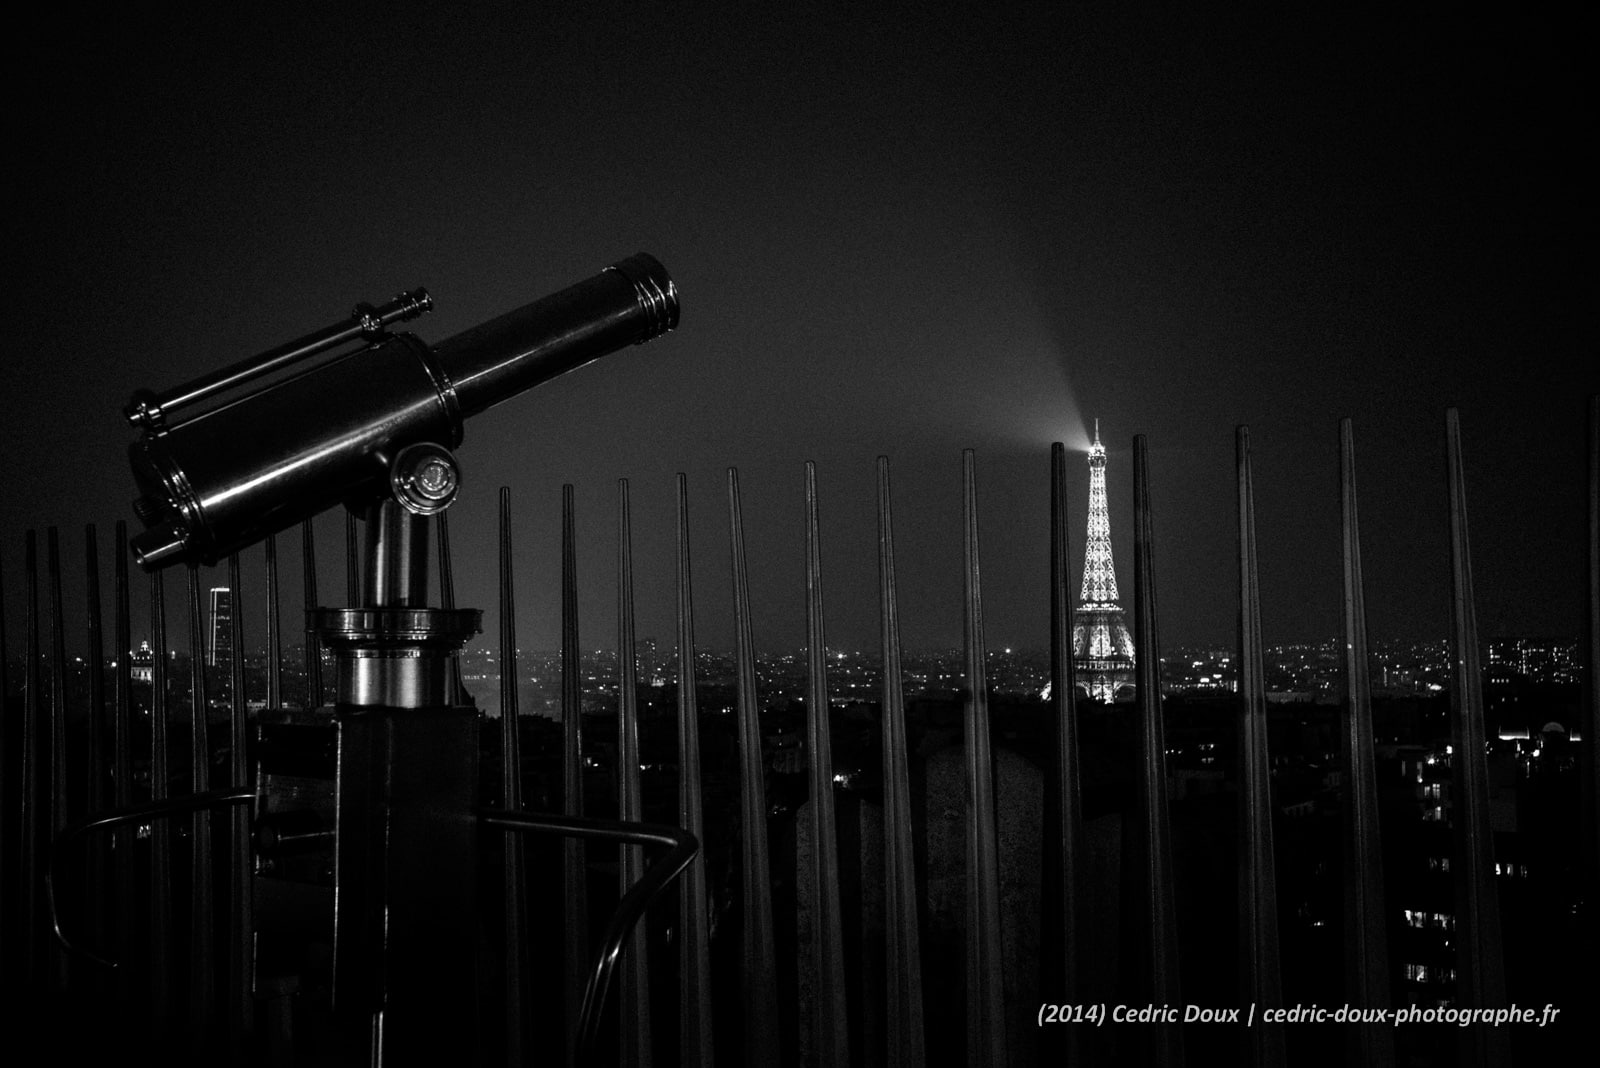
x=350, y=428
x=372, y=427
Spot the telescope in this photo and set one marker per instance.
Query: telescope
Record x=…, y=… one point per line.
x=353, y=414
x=361, y=425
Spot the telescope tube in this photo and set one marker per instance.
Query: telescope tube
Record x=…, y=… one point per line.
x=282, y=453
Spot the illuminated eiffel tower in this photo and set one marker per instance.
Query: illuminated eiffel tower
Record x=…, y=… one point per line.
x=1102, y=648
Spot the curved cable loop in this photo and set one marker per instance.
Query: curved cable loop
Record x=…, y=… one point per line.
x=155, y=810
x=633, y=905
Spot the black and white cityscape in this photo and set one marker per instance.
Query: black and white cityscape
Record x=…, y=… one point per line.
x=824, y=537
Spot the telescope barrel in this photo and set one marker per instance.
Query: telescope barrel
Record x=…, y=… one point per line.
x=227, y=478
x=628, y=303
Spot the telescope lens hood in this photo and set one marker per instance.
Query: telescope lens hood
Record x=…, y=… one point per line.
x=656, y=292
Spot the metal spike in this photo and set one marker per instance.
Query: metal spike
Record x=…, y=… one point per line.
x=1366, y=933
x=447, y=600
x=97, y=684
x=907, y=1044
x=313, y=646
x=986, y=1015
x=447, y=575
x=99, y=866
x=515, y=890
x=635, y=990
x=1480, y=967
x=352, y=561
x=574, y=856
x=694, y=957
x=1153, y=915
x=59, y=816
x=121, y=726
x=160, y=926
x=1589, y=752
x=830, y=1037
x=1061, y=961
x=59, y=813
x=759, y=981
x=274, y=628
x=202, y=907
x=8, y=968
x=122, y=770
x=241, y=938
x=1261, y=981
x=35, y=803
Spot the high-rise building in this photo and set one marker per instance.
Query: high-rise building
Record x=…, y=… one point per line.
x=1102, y=648
x=219, y=650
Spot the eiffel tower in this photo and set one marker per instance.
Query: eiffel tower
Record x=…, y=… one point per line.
x=1102, y=648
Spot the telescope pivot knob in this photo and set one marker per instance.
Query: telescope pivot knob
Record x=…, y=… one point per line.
x=425, y=478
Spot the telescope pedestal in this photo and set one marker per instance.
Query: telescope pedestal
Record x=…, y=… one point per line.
x=406, y=938
x=405, y=859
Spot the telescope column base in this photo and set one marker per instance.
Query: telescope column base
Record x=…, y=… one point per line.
x=405, y=924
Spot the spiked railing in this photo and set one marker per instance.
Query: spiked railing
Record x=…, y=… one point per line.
x=32, y=934
x=1481, y=981
x=830, y=1036
x=161, y=982
x=1589, y=754
x=1064, y=902
x=986, y=1017
x=1063, y=885
x=9, y=867
x=515, y=890
x=202, y=909
x=574, y=866
x=241, y=866
x=313, y=646
x=634, y=1028
x=352, y=560
x=122, y=770
x=99, y=865
x=58, y=724
x=1366, y=932
x=63, y=794
x=907, y=1041
x=696, y=1041
x=759, y=978
x=274, y=626
x=1261, y=984
x=1153, y=916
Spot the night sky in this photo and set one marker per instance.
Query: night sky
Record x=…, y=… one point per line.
x=902, y=233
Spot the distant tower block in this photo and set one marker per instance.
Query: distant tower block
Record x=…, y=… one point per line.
x=220, y=647
x=1102, y=648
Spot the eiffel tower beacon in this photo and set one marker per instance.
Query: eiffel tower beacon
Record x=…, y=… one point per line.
x=1102, y=648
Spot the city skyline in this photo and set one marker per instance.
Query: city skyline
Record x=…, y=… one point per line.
x=1294, y=671
x=902, y=239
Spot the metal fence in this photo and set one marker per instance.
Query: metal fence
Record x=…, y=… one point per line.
x=192, y=880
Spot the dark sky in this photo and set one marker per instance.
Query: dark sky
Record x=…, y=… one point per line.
x=902, y=233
